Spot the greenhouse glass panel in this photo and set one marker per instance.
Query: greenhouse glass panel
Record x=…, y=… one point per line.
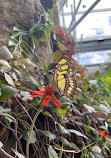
x=91, y=58
x=95, y=25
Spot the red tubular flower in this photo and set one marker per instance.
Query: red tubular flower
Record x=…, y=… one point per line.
x=49, y=92
x=104, y=134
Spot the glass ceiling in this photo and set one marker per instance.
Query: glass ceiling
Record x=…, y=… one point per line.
x=93, y=57
x=95, y=25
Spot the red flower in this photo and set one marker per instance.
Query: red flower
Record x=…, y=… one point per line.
x=104, y=134
x=49, y=92
x=59, y=33
x=67, y=39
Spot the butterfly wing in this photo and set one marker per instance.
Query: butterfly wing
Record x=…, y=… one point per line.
x=63, y=77
x=71, y=86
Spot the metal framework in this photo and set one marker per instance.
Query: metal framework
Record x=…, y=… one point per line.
x=83, y=45
x=73, y=26
x=90, y=45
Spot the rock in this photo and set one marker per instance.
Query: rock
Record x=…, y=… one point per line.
x=22, y=14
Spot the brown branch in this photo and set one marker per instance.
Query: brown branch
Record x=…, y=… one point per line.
x=75, y=151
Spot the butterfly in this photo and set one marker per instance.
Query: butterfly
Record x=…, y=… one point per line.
x=63, y=77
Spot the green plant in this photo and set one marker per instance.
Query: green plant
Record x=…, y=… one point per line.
x=50, y=131
x=18, y=38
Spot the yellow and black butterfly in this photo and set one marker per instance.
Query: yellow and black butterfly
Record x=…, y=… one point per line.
x=63, y=77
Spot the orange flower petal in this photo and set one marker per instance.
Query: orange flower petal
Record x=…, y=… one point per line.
x=56, y=101
x=46, y=100
x=101, y=133
x=37, y=92
x=33, y=95
x=106, y=136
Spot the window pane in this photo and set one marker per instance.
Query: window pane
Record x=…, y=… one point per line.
x=98, y=57
x=94, y=25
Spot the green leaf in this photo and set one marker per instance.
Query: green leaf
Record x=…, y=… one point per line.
x=54, y=6
x=47, y=114
x=7, y=92
x=16, y=29
x=52, y=153
x=8, y=117
x=27, y=47
x=57, y=146
x=65, y=142
x=25, y=95
x=107, y=80
x=14, y=76
x=25, y=53
x=35, y=39
x=9, y=79
x=17, y=53
x=108, y=89
x=88, y=128
x=2, y=110
x=60, y=112
x=32, y=29
x=32, y=136
x=47, y=31
x=63, y=130
x=48, y=134
x=11, y=43
x=33, y=44
x=75, y=109
x=74, y=146
x=18, y=154
x=16, y=34
x=103, y=127
x=94, y=135
x=77, y=133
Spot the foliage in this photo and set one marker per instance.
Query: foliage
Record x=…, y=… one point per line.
x=57, y=132
x=18, y=38
x=104, y=79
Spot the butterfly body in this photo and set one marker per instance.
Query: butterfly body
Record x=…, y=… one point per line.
x=64, y=76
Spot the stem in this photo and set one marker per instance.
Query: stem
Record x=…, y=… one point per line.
x=5, y=153
x=32, y=121
x=16, y=124
x=31, y=129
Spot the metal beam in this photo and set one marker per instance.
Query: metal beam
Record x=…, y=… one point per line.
x=63, y=19
x=74, y=15
x=84, y=15
x=93, y=45
x=92, y=11
x=94, y=65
